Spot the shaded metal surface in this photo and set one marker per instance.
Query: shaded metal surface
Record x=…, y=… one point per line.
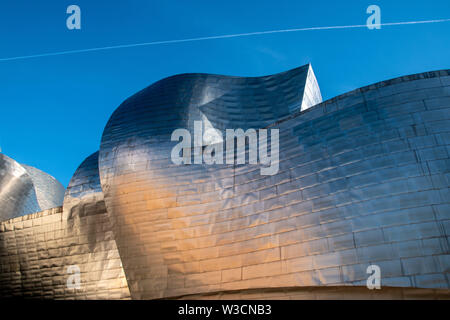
x=363, y=180
x=17, y=194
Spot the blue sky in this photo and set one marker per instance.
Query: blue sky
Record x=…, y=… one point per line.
x=53, y=109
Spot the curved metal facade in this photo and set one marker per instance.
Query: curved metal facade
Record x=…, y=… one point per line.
x=17, y=194
x=135, y=155
x=84, y=196
x=25, y=190
x=362, y=180
x=49, y=191
x=84, y=213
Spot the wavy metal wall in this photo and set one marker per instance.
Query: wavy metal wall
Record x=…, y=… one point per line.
x=363, y=180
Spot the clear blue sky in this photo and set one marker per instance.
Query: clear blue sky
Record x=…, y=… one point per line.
x=54, y=109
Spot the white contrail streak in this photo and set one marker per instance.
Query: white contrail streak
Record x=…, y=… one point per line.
x=225, y=36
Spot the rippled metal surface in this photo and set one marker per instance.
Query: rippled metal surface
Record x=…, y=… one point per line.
x=360, y=182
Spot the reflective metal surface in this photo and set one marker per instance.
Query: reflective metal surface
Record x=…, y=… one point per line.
x=49, y=191
x=17, y=193
x=84, y=196
x=140, y=182
x=362, y=180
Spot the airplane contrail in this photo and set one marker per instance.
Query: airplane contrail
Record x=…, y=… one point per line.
x=225, y=36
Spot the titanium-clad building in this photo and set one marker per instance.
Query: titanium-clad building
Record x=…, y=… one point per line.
x=362, y=179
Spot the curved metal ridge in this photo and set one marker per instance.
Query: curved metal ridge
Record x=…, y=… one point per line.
x=217, y=100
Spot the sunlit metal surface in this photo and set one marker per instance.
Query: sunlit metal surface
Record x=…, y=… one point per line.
x=25, y=190
x=361, y=182
x=140, y=182
x=84, y=202
x=17, y=193
x=364, y=180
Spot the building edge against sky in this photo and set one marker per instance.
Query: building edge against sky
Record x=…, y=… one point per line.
x=363, y=179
